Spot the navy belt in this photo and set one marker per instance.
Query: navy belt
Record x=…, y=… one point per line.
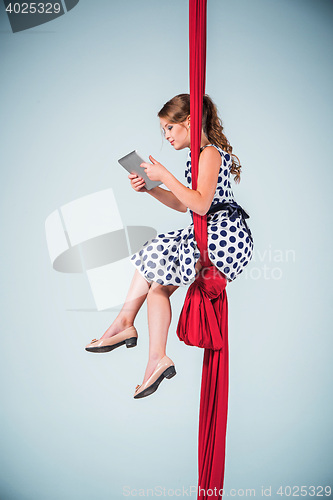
x=234, y=211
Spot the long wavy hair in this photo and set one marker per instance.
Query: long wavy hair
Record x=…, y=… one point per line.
x=177, y=109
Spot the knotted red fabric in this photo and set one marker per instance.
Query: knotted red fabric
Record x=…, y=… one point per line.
x=203, y=321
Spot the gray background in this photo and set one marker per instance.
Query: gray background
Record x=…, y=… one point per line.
x=81, y=91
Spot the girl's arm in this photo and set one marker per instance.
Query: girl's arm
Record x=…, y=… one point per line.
x=167, y=198
x=199, y=200
x=162, y=195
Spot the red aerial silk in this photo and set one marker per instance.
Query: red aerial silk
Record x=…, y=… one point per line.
x=203, y=321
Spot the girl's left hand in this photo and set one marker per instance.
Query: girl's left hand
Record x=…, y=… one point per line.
x=154, y=170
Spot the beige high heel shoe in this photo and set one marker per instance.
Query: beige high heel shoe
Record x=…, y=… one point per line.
x=165, y=369
x=128, y=336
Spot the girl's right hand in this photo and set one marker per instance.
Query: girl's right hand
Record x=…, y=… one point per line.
x=137, y=183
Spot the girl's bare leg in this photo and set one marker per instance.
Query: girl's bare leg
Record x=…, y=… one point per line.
x=159, y=315
x=159, y=319
x=136, y=296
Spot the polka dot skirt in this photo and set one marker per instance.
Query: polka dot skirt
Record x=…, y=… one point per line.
x=170, y=258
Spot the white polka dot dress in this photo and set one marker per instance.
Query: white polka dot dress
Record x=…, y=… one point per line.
x=170, y=258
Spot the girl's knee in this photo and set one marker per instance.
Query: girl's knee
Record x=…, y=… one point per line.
x=162, y=289
x=172, y=288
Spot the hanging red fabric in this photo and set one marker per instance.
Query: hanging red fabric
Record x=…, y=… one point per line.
x=203, y=321
x=197, y=35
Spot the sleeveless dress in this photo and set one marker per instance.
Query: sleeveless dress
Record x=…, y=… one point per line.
x=170, y=258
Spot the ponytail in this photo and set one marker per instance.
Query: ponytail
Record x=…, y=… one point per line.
x=213, y=128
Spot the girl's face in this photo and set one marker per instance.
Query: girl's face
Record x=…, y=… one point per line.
x=178, y=134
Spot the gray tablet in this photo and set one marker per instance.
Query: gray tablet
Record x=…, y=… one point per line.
x=131, y=163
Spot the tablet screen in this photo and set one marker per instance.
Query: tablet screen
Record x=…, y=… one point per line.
x=131, y=162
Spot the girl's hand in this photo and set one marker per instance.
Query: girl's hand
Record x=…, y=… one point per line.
x=154, y=170
x=137, y=183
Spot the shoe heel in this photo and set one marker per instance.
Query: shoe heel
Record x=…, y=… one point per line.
x=169, y=372
x=131, y=342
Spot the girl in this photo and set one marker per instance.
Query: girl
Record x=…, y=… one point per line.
x=171, y=260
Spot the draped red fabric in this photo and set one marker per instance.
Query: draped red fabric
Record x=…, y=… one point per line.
x=203, y=321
